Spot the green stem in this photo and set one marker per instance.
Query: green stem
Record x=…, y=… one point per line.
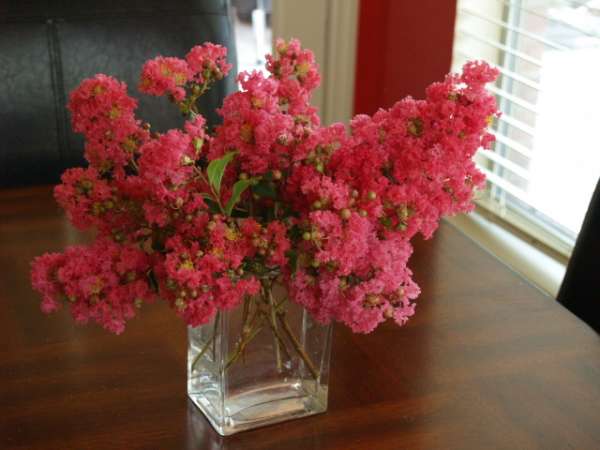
x=214, y=336
x=202, y=352
x=297, y=346
x=247, y=330
x=254, y=321
x=280, y=341
x=243, y=343
x=245, y=314
x=267, y=295
x=215, y=196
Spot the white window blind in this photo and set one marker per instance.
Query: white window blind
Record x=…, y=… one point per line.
x=546, y=160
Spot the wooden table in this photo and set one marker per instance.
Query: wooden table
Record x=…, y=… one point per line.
x=488, y=362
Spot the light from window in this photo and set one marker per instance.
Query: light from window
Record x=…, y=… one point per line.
x=546, y=160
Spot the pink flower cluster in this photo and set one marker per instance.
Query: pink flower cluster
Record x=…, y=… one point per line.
x=202, y=221
x=103, y=112
x=202, y=65
x=105, y=282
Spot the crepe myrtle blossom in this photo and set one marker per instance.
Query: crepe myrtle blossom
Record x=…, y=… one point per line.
x=205, y=221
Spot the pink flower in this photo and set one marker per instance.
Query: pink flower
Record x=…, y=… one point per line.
x=208, y=62
x=103, y=112
x=104, y=282
x=162, y=76
x=330, y=210
x=83, y=194
x=293, y=61
x=166, y=164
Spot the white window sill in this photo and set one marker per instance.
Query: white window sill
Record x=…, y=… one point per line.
x=536, y=266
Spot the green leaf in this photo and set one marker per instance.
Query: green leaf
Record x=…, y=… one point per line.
x=265, y=189
x=213, y=206
x=292, y=260
x=216, y=169
x=238, y=188
x=152, y=280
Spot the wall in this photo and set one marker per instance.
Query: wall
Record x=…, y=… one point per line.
x=402, y=47
x=329, y=29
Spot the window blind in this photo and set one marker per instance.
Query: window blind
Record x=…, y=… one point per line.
x=545, y=162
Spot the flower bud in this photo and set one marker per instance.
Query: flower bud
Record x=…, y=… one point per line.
x=197, y=143
x=415, y=127
x=388, y=313
x=371, y=195
x=373, y=299
x=346, y=213
x=186, y=161
x=306, y=236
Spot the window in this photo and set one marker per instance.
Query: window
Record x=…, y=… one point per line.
x=252, y=22
x=546, y=160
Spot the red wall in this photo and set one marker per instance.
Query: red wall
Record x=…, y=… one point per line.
x=403, y=45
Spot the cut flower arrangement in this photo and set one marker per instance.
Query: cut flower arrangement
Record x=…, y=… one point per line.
x=270, y=212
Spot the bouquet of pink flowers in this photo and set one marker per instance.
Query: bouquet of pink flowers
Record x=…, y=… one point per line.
x=206, y=221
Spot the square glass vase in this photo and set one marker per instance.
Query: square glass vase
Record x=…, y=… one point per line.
x=257, y=365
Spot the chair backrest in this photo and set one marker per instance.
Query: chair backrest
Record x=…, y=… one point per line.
x=580, y=289
x=48, y=47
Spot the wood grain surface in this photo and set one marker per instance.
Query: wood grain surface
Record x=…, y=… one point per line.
x=488, y=362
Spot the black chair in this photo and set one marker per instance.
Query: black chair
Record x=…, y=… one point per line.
x=48, y=47
x=580, y=289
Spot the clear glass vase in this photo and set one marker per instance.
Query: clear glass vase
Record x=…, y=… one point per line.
x=259, y=364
